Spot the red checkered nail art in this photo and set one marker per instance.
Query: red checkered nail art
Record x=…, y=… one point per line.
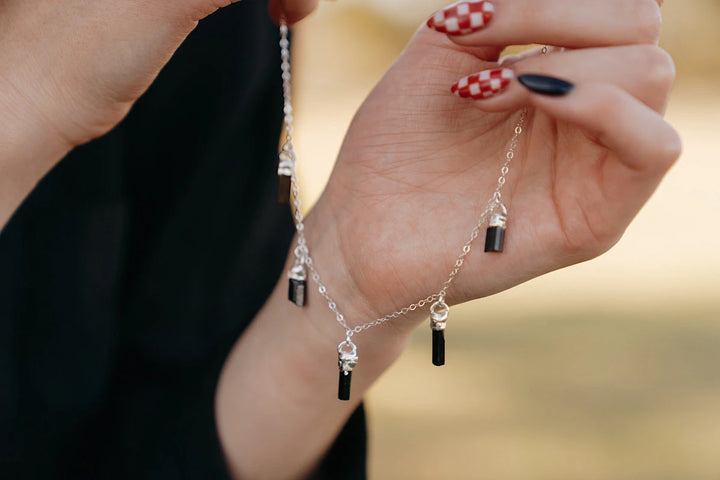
x=463, y=17
x=484, y=84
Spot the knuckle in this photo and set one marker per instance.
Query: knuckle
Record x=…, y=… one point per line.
x=587, y=233
x=660, y=68
x=648, y=20
x=607, y=106
x=669, y=150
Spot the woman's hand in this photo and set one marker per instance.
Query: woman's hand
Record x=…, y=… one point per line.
x=71, y=69
x=419, y=164
x=78, y=66
x=415, y=172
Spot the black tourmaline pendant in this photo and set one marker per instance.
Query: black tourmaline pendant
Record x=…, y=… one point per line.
x=297, y=289
x=284, y=182
x=286, y=167
x=347, y=360
x=495, y=238
x=438, y=348
x=344, y=385
x=438, y=320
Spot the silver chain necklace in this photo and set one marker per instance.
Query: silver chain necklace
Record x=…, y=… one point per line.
x=494, y=215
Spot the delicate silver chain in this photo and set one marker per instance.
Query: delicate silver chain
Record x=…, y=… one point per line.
x=302, y=251
x=494, y=202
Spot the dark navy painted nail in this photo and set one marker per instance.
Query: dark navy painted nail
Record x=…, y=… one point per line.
x=545, y=85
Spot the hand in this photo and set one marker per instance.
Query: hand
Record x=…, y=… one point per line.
x=415, y=171
x=79, y=66
x=71, y=69
x=418, y=163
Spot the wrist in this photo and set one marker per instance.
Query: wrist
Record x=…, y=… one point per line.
x=380, y=273
x=281, y=378
x=384, y=342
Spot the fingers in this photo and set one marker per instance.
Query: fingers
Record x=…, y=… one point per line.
x=642, y=146
x=604, y=106
x=576, y=24
x=292, y=10
x=619, y=112
x=645, y=71
x=639, y=136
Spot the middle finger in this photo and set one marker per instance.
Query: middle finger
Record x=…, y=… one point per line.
x=645, y=71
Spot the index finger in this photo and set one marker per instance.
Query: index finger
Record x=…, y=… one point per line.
x=565, y=23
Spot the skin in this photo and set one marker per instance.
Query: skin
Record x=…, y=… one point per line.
x=71, y=69
x=416, y=167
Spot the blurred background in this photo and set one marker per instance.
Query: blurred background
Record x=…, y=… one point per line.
x=605, y=370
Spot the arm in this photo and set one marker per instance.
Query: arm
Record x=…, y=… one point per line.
x=29, y=148
x=276, y=406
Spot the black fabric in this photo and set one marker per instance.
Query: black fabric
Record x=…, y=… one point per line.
x=133, y=267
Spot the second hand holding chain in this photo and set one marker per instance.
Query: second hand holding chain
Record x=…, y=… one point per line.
x=495, y=211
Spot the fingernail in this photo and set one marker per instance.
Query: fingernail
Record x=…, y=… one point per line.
x=484, y=84
x=545, y=85
x=463, y=17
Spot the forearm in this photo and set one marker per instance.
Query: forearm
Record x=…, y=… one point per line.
x=277, y=406
x=29, y=148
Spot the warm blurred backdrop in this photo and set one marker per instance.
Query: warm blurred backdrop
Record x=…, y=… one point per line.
x=607, y=370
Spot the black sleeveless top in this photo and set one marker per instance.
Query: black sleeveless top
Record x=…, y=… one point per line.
x=130, y=271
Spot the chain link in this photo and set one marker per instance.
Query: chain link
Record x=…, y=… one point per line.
x=302, y=251
x=492, y=205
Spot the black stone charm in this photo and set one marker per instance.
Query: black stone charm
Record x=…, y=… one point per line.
x=438, y=347
x=439, y=313
x=344, y=385
x=284, y=182
x=347, y=360
x=297, y=292
x=494, y=239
